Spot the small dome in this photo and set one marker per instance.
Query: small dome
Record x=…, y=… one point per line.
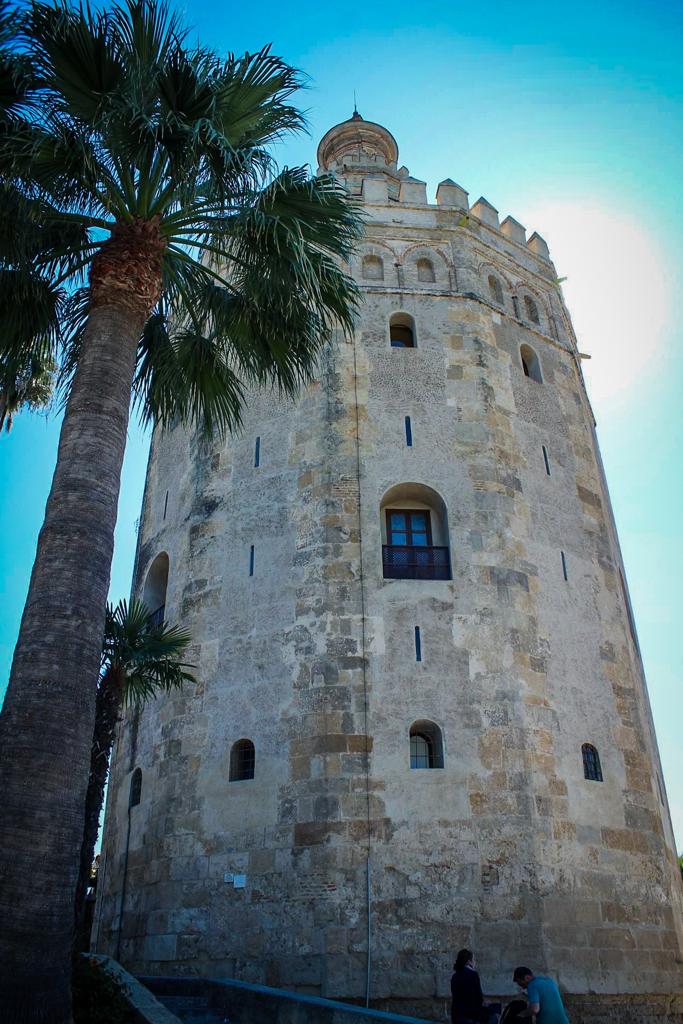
x=363, y=142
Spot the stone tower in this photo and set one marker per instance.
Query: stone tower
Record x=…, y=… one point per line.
x=420, y=720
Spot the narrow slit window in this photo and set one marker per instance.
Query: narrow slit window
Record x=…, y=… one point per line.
x=418, y=644
x=165, y=504
x=564, y=565
x=251, y=560
x=257, y=453
x=135, y=788
x=546, y=460
x=515, y=306
x=409, y=432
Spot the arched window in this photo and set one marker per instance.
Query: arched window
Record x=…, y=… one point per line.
x=530, y=364
x=402, y=331
x=414, y=534
x=496, y=290
x=591, y=763
x=373, y=268
x=135, y=788
x=425, y=271
x=531, y=310
x=426, y=746
x=154, y=591
x=242, y=761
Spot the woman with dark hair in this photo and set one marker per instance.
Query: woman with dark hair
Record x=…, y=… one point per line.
x=468, y=1005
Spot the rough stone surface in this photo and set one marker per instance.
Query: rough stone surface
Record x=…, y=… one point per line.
x=507, y=848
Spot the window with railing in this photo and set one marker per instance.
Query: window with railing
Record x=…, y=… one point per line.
x=409, y=553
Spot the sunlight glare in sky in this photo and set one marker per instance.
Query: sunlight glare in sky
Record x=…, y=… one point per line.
x=616, y=290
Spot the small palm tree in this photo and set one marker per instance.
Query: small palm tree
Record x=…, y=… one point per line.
x=147, y=241
x=139, y=661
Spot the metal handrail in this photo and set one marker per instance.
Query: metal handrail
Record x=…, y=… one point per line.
x=427, y=562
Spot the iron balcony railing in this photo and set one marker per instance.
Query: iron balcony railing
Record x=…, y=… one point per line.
x=156, y=619
x=415, y=563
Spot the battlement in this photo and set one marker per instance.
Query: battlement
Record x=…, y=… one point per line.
x=364, y=155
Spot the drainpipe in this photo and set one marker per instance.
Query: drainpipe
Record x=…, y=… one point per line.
x=368, y=875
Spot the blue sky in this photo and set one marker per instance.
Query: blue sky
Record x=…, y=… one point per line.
x=568, y=117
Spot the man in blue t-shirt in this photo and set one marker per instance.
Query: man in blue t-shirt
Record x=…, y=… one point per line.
x=544, y=997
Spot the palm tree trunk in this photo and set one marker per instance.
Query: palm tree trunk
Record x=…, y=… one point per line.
x=46, y=727
x=107, y=708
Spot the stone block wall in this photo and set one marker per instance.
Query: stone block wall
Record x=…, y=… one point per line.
x=336, y=847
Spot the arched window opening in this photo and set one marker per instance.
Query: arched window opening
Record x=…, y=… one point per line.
x=425, y=271
x=373, y=268
x=531, y=310
x=154, y=591
x=242, y=761
x=414, y=527
x=496, y=290
x=135, y=788
x=402, y=331
x=426, y=746
x=530, y=364
x=591, y=763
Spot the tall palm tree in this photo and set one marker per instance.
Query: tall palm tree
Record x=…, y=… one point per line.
x=146, y=235
x=138, y=662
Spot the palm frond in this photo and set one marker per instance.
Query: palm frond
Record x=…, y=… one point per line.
x=135, y=125
x=149, y=656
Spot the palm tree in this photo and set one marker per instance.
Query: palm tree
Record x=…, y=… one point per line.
x=148, y=239
x=28, y=383
x=138, y=662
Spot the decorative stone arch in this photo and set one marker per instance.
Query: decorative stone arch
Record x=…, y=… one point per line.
x=528, y=297
x=417, y=262
x=372, y=267
x=415, y=536
x=426, y=744
x=485, y=272
x=155, y=588
x=371, y=252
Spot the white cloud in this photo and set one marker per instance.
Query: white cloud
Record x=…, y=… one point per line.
x=617, y=290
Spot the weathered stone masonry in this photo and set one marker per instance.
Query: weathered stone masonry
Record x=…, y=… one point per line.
x=282, y=878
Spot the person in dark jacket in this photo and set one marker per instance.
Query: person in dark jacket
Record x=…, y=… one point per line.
x=468, y=1005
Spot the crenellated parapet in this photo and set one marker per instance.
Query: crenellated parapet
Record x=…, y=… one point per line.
x=365, y=156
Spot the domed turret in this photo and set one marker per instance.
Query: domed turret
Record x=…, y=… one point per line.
x=357, y=145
